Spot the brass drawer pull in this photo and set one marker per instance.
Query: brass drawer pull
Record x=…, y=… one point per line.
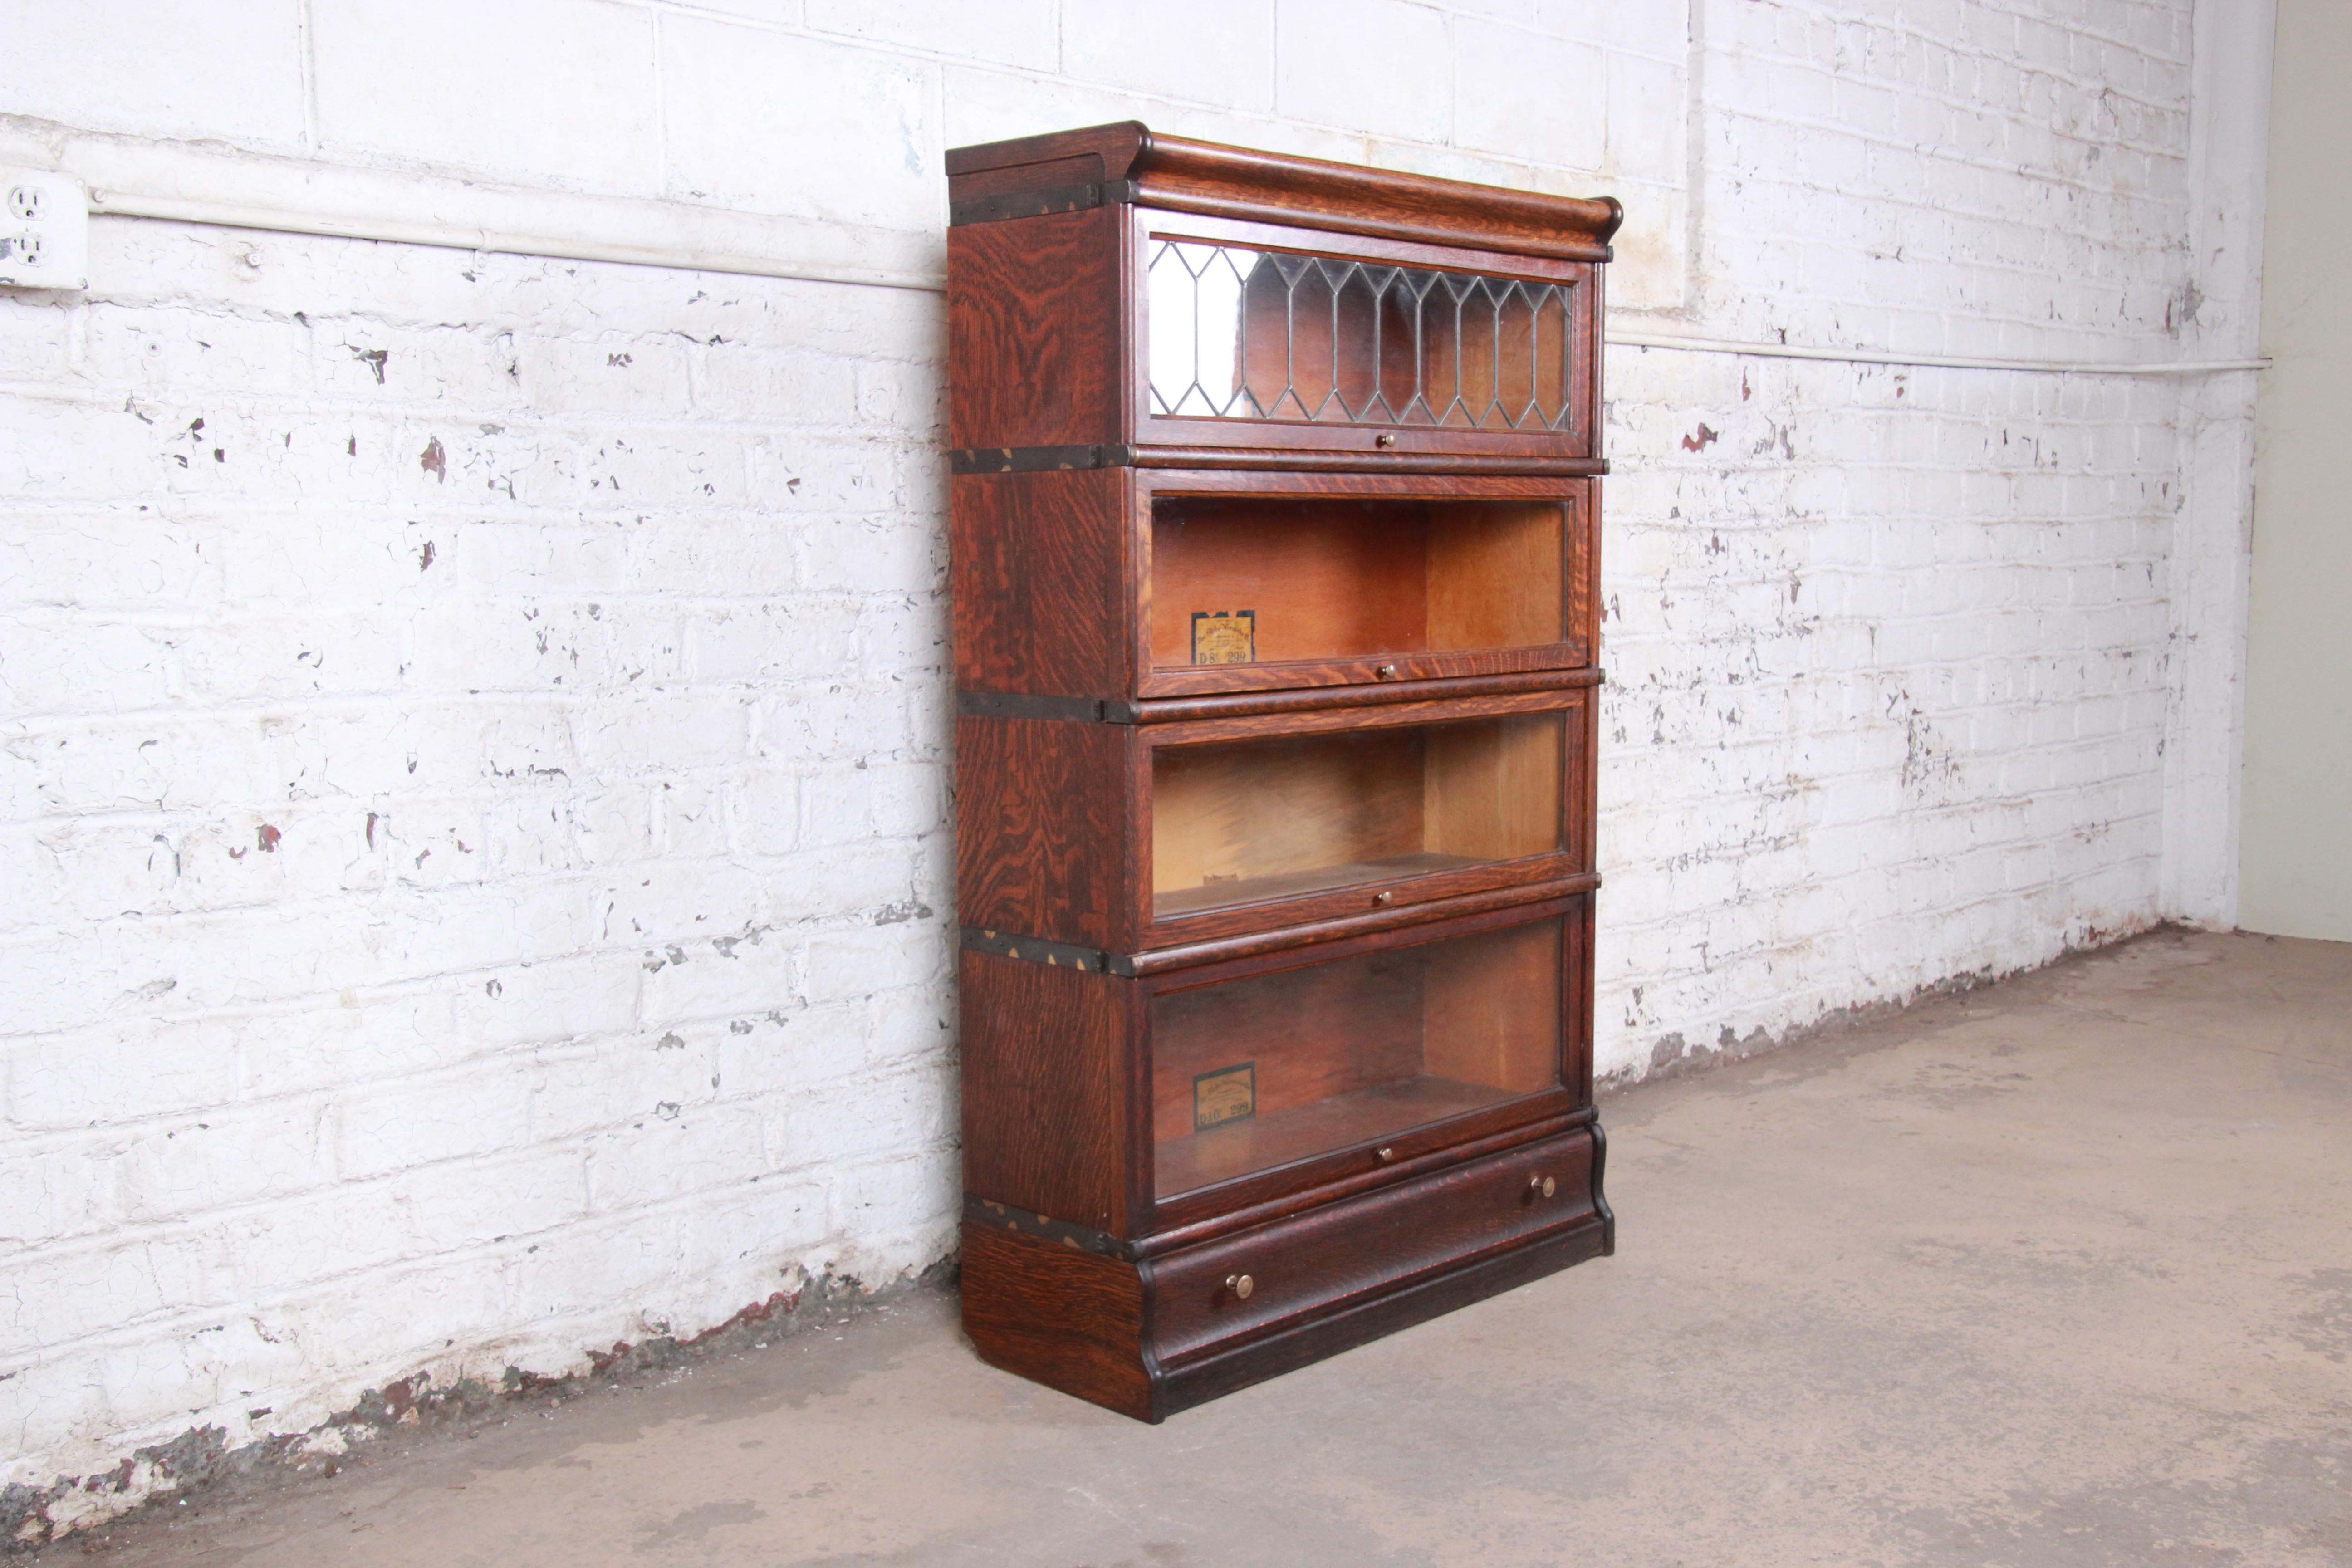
x=1384, y=897
x=1383, y=439
x=1386, y=672
x=1385, y=1153
x=1241, y=1285
x=1541, y=1186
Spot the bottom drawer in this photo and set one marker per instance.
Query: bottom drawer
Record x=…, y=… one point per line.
x=1210, y=1298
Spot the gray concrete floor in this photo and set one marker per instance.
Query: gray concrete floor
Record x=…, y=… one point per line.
x=2058, y=1272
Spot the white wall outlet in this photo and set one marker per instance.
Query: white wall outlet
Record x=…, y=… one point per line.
x=44, y=230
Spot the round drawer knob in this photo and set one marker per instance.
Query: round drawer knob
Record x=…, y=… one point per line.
x=1384, y=440
x=1386, y=672
x=1385, y=1155
x=1542, y=1187
x=1241, y=1285
x=1384, y=897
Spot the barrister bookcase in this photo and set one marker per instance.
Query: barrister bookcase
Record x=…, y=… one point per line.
x=1275, y=513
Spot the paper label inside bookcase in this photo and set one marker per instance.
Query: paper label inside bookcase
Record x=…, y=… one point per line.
x=1224, y=636
x=1228, y=1094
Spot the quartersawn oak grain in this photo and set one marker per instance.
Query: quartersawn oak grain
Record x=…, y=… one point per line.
x=1396, y=793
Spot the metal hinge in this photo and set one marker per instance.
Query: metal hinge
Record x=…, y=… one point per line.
x=1053, y=954
x=1036, y=459
x=1037, y=202
x=1008, y=705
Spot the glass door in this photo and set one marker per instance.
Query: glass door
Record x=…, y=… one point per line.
x=1384, y=811
x=1269, y=1070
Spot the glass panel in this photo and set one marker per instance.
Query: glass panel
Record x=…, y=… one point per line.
x=1337, y=579
x=1264, y=334
x=1257, y=1073
x=1242, y=821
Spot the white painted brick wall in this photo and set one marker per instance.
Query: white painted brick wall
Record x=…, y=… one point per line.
x=474, y=776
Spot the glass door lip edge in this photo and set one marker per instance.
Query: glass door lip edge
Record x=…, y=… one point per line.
x=1267, y=949
x=1359, y=669
x=1322, y=1177
x=1310, y=238
x=1413, y=710
x=1414, y=890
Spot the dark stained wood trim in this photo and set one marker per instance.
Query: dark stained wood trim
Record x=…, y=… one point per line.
x=1320, y=719
x=1241, y=704
x=1373, y=670
x=1223, y=1210
x=1045, y=1102
x=1037, y=949
x=1061, y=1316
x=1370, y=482
x=1375, y=462
x=1185, y=175
x=1223, y=1371
x=1206, y=963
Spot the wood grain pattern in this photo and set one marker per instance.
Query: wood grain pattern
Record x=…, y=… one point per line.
x=1247, y=944
x=1203, y=176
x=1242, y=813
x=1147, y=1339
x=1326, y=1259
x=1039, y=574
x=1042, y=807
x=1221, y=1368
x=1481, y=1019
x=1060, y=1316
x=1047, y=1088
x=1356, y=1048
x=1336, y=580
x=1328, y=579
x=1033, y=312
x=1493, y=788
x=1284, y=816
x=1419, y=724
x=1495, y=574
x=1365, y=692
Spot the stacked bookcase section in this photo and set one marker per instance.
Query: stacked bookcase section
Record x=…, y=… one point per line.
x=1275, y=519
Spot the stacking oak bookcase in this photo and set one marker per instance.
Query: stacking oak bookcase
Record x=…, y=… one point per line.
x=1276, y=505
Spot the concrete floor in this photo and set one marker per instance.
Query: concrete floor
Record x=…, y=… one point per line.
x=2057, y=1273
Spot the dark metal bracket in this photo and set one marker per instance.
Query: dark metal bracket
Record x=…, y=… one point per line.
x=1036, y=459
x=1008, y=705
x=1037, y=202
x=1054, y=955
x=1022, y=1222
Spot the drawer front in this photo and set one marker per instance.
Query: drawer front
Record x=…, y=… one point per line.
x=1360, y=1248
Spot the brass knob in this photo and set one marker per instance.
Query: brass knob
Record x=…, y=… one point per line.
x=1384, y=897
x=1386, y=672
x=1383, y=440
x=1385, y=1155
x=1541, y=1186
x=1241, y=1285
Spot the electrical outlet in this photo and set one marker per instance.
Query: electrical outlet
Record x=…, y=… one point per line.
x=45, y=237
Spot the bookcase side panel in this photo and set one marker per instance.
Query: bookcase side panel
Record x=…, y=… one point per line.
x=1043, y=807
x=1049, y=1096
x=1034, y=308
x=1038, y=568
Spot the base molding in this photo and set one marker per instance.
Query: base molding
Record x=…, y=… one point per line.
x=1152, y=1337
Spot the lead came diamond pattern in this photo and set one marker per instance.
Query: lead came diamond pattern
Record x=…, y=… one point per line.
x=1269, y=334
